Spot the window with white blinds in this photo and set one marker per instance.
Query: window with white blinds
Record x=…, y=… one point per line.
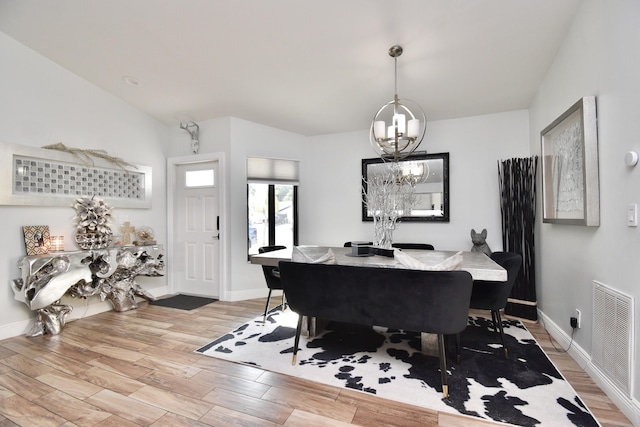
x=272, y=203
x=261, y=169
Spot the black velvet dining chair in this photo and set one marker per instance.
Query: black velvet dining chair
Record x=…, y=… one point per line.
x=434, y=302
x=272, y=276
x=422, y=246
x=489, y=295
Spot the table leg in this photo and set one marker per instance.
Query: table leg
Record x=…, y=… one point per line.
x=429, y=344
x=312, y=326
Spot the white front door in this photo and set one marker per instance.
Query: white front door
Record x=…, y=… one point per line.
x=196, y=243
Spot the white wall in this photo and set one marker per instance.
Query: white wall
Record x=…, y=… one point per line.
x=240, y=139
x=331, y=193
x=330, y=175
x=43, y=104
x=599, y=57
x=253, y=140
x=215, y=137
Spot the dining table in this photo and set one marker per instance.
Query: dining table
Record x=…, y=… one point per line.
x=479, y=265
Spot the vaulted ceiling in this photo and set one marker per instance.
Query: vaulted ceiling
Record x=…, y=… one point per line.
x=310, y=67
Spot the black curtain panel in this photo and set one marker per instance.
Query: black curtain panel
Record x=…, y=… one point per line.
x=517, y=178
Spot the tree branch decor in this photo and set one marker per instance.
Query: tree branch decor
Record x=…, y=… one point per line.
x=388, y=198
x=517, y=179
x=84, y=155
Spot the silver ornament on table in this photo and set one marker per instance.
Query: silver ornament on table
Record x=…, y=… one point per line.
x=92, y=221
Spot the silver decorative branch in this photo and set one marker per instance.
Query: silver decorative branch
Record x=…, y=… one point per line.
x=388, y=199
x=84, y=155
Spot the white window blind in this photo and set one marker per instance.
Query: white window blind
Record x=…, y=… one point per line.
x=260, y=169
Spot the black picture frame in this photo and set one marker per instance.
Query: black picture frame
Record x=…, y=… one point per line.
x=438, y=167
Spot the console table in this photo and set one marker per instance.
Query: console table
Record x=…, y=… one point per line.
x=109, y=273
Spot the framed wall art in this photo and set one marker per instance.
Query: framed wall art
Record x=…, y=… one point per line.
x=37, y=239
x=570, y=183
x=45, y=177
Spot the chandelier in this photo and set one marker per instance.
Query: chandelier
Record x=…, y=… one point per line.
x=399, y=126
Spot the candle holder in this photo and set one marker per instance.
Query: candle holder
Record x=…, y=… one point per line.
x=57, y=243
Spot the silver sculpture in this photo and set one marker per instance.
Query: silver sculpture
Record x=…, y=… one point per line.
x=50, y=320
x=195, y=135
x=109, y=273
x=120, y=288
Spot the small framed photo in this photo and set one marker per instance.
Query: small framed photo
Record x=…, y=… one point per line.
x=37, y=239
x=570, y=183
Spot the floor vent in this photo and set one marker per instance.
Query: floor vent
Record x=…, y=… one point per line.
x=613, y=335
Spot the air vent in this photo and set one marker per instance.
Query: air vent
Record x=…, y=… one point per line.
x=613, y=335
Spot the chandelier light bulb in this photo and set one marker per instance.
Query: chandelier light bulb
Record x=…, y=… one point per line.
x=414, y=128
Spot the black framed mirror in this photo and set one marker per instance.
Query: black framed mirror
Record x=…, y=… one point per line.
x=428, y=173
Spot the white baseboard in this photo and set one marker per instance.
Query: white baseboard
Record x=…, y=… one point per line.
x=578, y=354
x=82, y=307
x=628, y=406
x=159, y=291
x=14, y=329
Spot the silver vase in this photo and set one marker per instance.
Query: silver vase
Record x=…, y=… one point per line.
x=93, y=240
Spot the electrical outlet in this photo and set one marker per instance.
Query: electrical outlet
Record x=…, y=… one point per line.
x=573, y=322
x=578, y=316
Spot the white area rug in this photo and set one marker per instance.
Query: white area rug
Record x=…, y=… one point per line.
x=525, y=390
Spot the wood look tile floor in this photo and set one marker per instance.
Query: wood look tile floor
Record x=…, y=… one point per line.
x=138, y=368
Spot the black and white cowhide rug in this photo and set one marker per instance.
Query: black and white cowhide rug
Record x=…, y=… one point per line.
x=525, y=390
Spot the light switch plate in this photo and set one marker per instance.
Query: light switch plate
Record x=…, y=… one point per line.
x=632, y=215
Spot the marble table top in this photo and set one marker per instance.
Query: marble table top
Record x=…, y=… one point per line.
x=478, y=264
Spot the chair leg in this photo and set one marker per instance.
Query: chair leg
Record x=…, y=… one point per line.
x=297, y=339
x=443, y=366
x=266, y=307
x=458, y=356
x=498, y=323
x=284, y=301
x=494, y=320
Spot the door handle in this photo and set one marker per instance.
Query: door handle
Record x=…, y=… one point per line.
x=217, y=237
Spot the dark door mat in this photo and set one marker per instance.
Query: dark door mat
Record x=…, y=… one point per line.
x=183, y=302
